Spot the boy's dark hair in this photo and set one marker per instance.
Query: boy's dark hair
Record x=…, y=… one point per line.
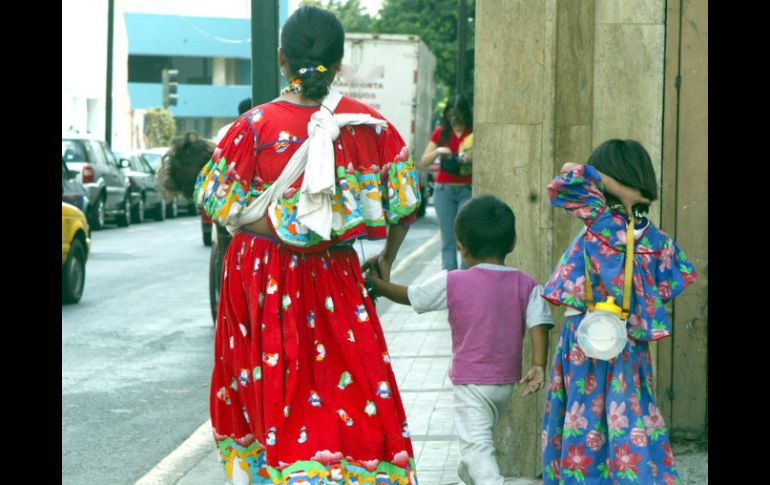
x=486, y=226
x=311, y=37
x=627, y=162
x=244, y=106
x=466, y=114
x=182, y=163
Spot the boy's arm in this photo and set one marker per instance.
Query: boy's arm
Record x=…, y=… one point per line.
x=389, y=290
x=535, y=378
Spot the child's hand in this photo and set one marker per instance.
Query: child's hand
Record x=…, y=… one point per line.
x=534, y=379
x=377, y=266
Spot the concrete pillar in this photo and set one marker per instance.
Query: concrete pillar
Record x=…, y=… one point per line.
x=513, y=159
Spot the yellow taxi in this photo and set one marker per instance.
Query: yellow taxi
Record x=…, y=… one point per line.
x=75, y=245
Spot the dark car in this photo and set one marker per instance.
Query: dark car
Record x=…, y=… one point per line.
x=154, y=157
x=98, y=171
x=72, y=191
x=146, y=195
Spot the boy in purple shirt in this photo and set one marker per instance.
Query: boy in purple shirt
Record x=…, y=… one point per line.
x=489, y=307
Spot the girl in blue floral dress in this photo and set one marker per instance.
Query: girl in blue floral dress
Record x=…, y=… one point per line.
x=601, y=424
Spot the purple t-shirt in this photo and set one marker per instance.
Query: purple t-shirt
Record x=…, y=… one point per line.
x=490, y=306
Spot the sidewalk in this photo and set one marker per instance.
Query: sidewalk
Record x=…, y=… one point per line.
x=420, y=350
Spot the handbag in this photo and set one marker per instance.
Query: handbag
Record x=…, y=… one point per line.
x=454, y=165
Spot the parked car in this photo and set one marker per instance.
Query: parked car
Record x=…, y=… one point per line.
x=146, y=193
x=72, y=191
x=154, y=157
x=75, y=246
x=98, y=171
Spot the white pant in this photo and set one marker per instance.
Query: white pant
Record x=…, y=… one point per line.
x=477, y=408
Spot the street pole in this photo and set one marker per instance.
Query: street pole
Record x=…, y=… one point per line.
x=264, y=51
x=462, y=35
x=108, y=97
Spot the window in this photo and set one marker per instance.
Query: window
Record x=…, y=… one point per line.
x=108, y=153
x=139, y=165
x=72, y=151
x=148, y=69
x=154, y=159
x=95, y=153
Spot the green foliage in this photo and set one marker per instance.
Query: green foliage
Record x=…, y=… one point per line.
x=350, y=12
x=159, y=127
x=435, y=21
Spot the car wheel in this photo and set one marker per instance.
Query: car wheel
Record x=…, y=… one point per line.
x=172, y=210
x=124, y=219
x=160, y=212
x=98, y=214
x=139, y=210
x=73, y=273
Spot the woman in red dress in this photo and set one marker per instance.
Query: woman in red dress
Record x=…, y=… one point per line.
x=302, y=387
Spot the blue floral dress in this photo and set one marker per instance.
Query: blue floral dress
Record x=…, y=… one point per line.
x=601, y=424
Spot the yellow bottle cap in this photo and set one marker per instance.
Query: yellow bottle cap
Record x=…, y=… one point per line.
x=609, y=306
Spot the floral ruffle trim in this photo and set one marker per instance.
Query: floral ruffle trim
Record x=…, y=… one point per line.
x=247, y=464
x=364, y=203
x=219, y=191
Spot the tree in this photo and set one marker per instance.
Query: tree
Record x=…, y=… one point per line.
x=159, y=127
x=350, y=12
x=435, y=21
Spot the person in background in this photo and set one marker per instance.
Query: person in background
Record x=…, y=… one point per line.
x=453, y=182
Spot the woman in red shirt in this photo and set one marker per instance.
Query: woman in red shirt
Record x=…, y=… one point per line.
x=453, y=183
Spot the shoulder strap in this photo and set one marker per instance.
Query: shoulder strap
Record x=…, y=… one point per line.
x=628, y=275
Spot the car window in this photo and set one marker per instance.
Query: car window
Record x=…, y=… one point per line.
x=110, y=156
x=137, y=165
x=108, y=153
x=154, y=160
x=145, y=164
x=72, y=151
x=95, y=153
